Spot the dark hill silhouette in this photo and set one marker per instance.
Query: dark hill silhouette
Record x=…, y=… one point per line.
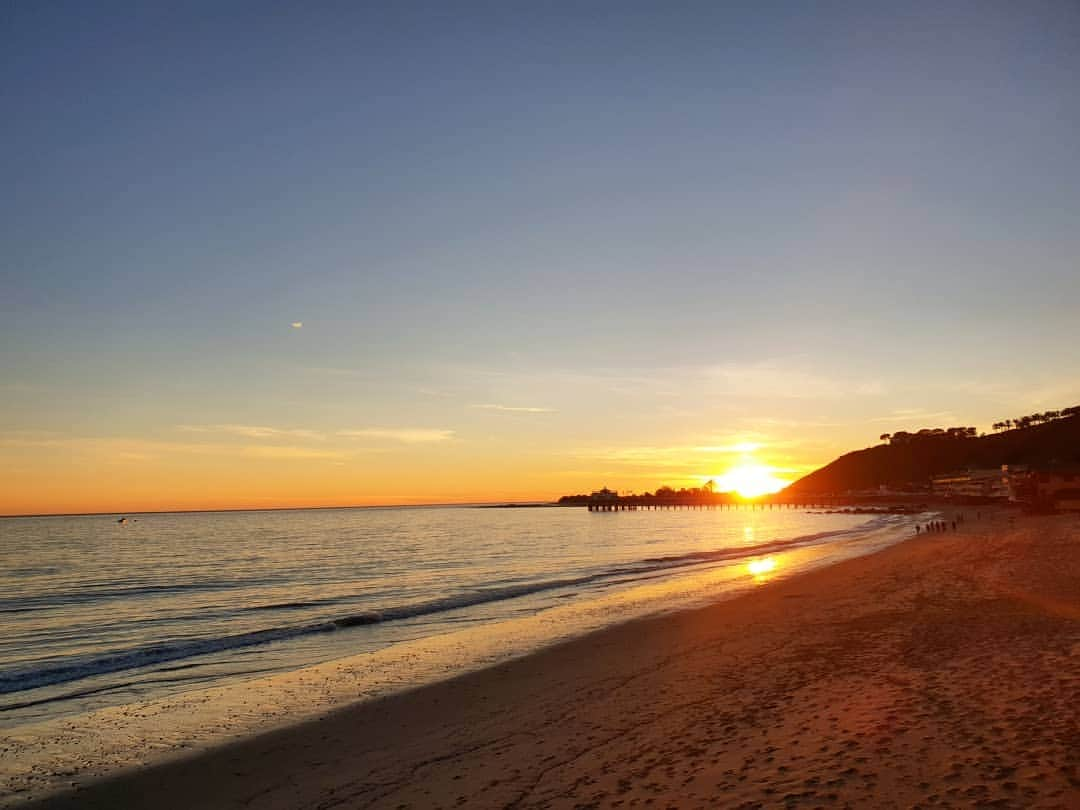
x=915, y=461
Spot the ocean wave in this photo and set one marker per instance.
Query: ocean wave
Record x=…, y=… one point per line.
x=43, y=674
x=76, y=668
x=292, y=605
x=88, y=594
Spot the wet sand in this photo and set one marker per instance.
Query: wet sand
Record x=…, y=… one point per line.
x=941, y=672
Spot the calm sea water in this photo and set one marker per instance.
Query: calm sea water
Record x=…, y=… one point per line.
x=94, y=612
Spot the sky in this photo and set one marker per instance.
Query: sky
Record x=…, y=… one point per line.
x=287, y=254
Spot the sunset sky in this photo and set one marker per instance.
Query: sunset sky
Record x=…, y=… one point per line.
x=282, y=254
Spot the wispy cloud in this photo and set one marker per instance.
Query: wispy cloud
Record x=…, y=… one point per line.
x=778, y=380
x=434, y=392
x=906, y=415
x=406, y=435
x=278, y=451
x=331, y=371
x=685, y=455
x=513, y=408
x=112, y=448
x=775, y=379
x=772, y=423
x=255, y=431
x=20, y=387
x=121, y=449
x=738, y=447
x=28, y=435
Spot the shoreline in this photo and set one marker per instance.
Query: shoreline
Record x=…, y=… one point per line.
x=73, y=749
x=603, y=684
x=564, y=604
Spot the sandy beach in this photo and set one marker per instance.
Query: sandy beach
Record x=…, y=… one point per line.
x=941, y=672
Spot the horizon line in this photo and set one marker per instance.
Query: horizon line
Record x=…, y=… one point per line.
x=276, y=508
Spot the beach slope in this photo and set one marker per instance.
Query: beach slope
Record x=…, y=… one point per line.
x=944, y=671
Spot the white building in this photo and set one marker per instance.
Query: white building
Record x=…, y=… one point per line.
x=971, y=484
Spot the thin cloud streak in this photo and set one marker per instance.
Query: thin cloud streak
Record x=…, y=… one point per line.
x=776, y=380
x=113, y=448
x=275, y=451
x=405, y=435
x=255, y=431
x=906, y=415
x=513, y=408
x=671, y=456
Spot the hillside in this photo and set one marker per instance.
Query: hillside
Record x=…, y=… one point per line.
x=915, y=462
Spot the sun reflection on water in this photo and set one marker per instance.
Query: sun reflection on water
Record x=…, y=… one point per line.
x=761, y=568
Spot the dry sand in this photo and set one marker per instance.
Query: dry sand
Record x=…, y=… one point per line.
x=942, y=672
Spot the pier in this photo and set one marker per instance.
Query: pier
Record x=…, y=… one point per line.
x=632, y=503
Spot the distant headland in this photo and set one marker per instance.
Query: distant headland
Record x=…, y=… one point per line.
x=1032, y=461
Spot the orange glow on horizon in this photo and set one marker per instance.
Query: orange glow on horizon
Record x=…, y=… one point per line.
x=189, y=472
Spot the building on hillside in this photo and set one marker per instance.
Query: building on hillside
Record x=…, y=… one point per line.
x=1017, y=478
x=971, y=484
x=1053, y=487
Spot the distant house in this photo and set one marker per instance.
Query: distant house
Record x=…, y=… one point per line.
x=604, y=494
x=1054, y=487
x=991, y=483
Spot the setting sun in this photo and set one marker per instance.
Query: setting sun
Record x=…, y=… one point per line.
x=750, y=480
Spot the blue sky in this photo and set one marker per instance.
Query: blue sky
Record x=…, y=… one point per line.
x=643, y=223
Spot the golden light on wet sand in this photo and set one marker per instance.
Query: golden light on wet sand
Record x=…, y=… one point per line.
x=761, y=569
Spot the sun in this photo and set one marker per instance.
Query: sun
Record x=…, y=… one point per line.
x=750, y=480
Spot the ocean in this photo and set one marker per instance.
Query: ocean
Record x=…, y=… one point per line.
x=95, y=613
